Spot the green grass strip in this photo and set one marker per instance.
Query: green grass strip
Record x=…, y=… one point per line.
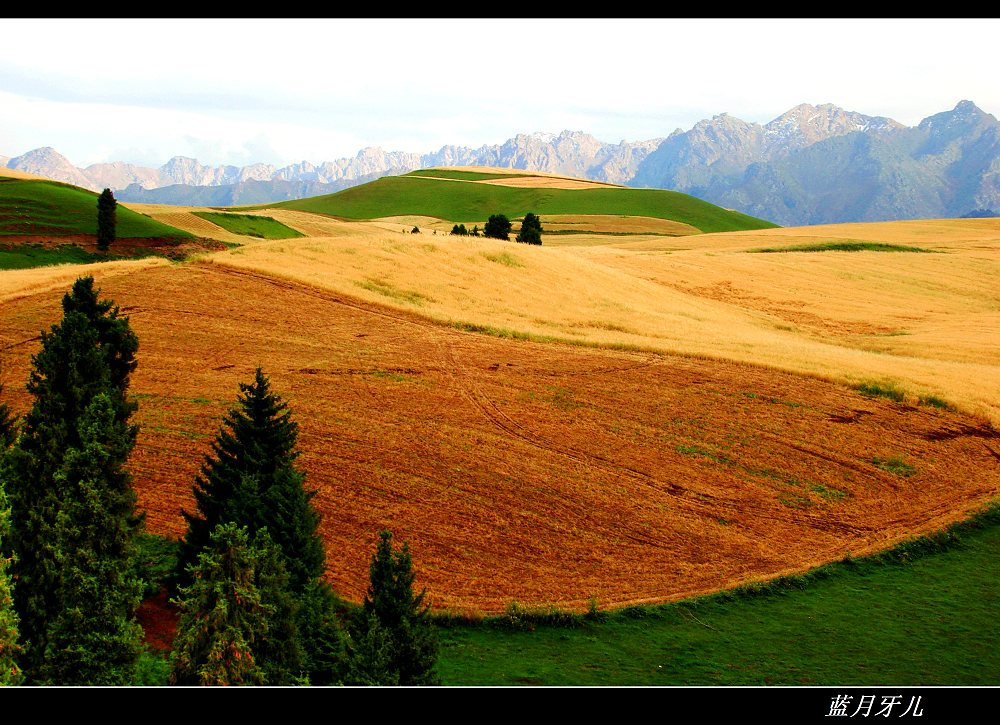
x=845, y=246
x=251, y=225
x=28, y=256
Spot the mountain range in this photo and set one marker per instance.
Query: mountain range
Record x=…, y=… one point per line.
x=811, y=165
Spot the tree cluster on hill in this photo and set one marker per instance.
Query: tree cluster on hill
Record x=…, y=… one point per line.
x=460, y=230
x=254, y=607
x=498, y=226
x=531, y=230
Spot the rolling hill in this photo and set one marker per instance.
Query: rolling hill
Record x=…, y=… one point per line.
x=45, y=222
x=472, y=196
x=38, y=207
x=633, y=415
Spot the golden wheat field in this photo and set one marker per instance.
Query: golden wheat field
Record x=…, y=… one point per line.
x=634, y=417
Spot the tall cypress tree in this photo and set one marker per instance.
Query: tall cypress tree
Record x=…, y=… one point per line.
x=107, y=219
x=89, y=353
x=251, y=478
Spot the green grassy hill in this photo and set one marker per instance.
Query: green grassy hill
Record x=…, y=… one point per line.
x=466, y=202
x=50, y=208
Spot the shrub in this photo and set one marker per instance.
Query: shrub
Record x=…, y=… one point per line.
x=498, y=226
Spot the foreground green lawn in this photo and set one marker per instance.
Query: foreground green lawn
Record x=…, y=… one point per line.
x=920, y=617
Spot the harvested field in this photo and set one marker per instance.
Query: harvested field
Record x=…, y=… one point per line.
x=546, y=182
x=15, y=174
x=532, y=472
x=611, y=224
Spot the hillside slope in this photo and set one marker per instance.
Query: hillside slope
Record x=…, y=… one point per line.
x=465, y=200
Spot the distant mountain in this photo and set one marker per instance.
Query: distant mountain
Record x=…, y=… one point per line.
x=811, y=165
x=48, y=162
x=821, y=164
x=243, y=193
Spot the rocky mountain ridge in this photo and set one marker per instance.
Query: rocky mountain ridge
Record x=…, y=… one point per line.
x=811, y=165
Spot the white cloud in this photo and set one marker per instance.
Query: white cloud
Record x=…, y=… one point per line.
x=225, y=90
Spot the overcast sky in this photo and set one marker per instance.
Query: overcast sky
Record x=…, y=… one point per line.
x=280, y=91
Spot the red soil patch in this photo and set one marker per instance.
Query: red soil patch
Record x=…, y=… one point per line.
x=122, y=247
x=538, y=473
x=159, y=621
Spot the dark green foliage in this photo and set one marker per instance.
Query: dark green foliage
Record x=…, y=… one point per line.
x=390, y=605
x=372, y=653
x=497, y=226
x=531, y=230
x=460, y=230
x=92, y=638
x=107, y=219
x=323, y=642
x=415, y=230
x=237, y=624
x=8, y=424
x=251, y=479
x=881, y=390
x=90, y=353
x=475, y=230
x=155, y=562
x=10, y=648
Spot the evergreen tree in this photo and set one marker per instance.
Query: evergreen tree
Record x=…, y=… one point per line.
x=8, y=425
x=107, y=219
x=251, y=479
x=531, y=230
x=324, y=652
x=390, y=605
x=371, y=661
x=237, y=624
x=93, y=639
x=89, y=353
x=10, y=649
x=498, y=226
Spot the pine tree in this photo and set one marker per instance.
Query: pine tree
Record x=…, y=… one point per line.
x=10, y=648
x=323, y=641
x=237, y=624
x=107, y=219
x=391, y=605
x=8, y=425
x=251, y=479
x=93, y=638
x=371, y=661
x=89, y=353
